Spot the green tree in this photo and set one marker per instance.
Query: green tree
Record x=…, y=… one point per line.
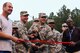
x=76, y=16
x=63, y=13
x=29, y=24
x=51, y=15
x=61, y=17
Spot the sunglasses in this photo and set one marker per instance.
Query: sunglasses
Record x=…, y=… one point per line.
x=44, y=17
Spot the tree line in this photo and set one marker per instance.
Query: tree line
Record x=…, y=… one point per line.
x=62, y=16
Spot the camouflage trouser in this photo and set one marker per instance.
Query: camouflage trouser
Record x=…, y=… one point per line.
x=48, y=49
x=63, y=50
x=13, y=49
x=44, y=49
x=19, y=48
x=53, y=49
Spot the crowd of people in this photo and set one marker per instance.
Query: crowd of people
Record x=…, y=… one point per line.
x=41, y=37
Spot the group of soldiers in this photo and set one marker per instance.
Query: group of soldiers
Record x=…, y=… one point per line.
x=41, y=37
x=40, y=30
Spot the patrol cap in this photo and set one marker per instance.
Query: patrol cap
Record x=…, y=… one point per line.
x=36, y=20
x=24, y=13
x=42, y=15
x=50, y=21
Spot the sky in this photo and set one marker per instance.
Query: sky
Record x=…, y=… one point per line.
x=36, y=6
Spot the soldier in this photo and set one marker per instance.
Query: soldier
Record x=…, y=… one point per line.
x=15, y=30
x=44, y=28
x=35, y=25
x=22, y=29
x=56, y=37
x=35, y=28
x=15, y=34
x=44, y=31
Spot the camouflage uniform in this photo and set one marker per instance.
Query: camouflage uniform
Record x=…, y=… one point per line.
x=22, y=29
x=56, y=37
x=44, y=32
x=14, y=33
x=18, y=48
x=56, y=48
x=35, y=26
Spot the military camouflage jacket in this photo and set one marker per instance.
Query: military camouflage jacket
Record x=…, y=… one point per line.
x=22, y=29
x=57, y=38
x=43, y=30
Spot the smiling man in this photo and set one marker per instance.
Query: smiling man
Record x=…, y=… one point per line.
x=6, y=29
